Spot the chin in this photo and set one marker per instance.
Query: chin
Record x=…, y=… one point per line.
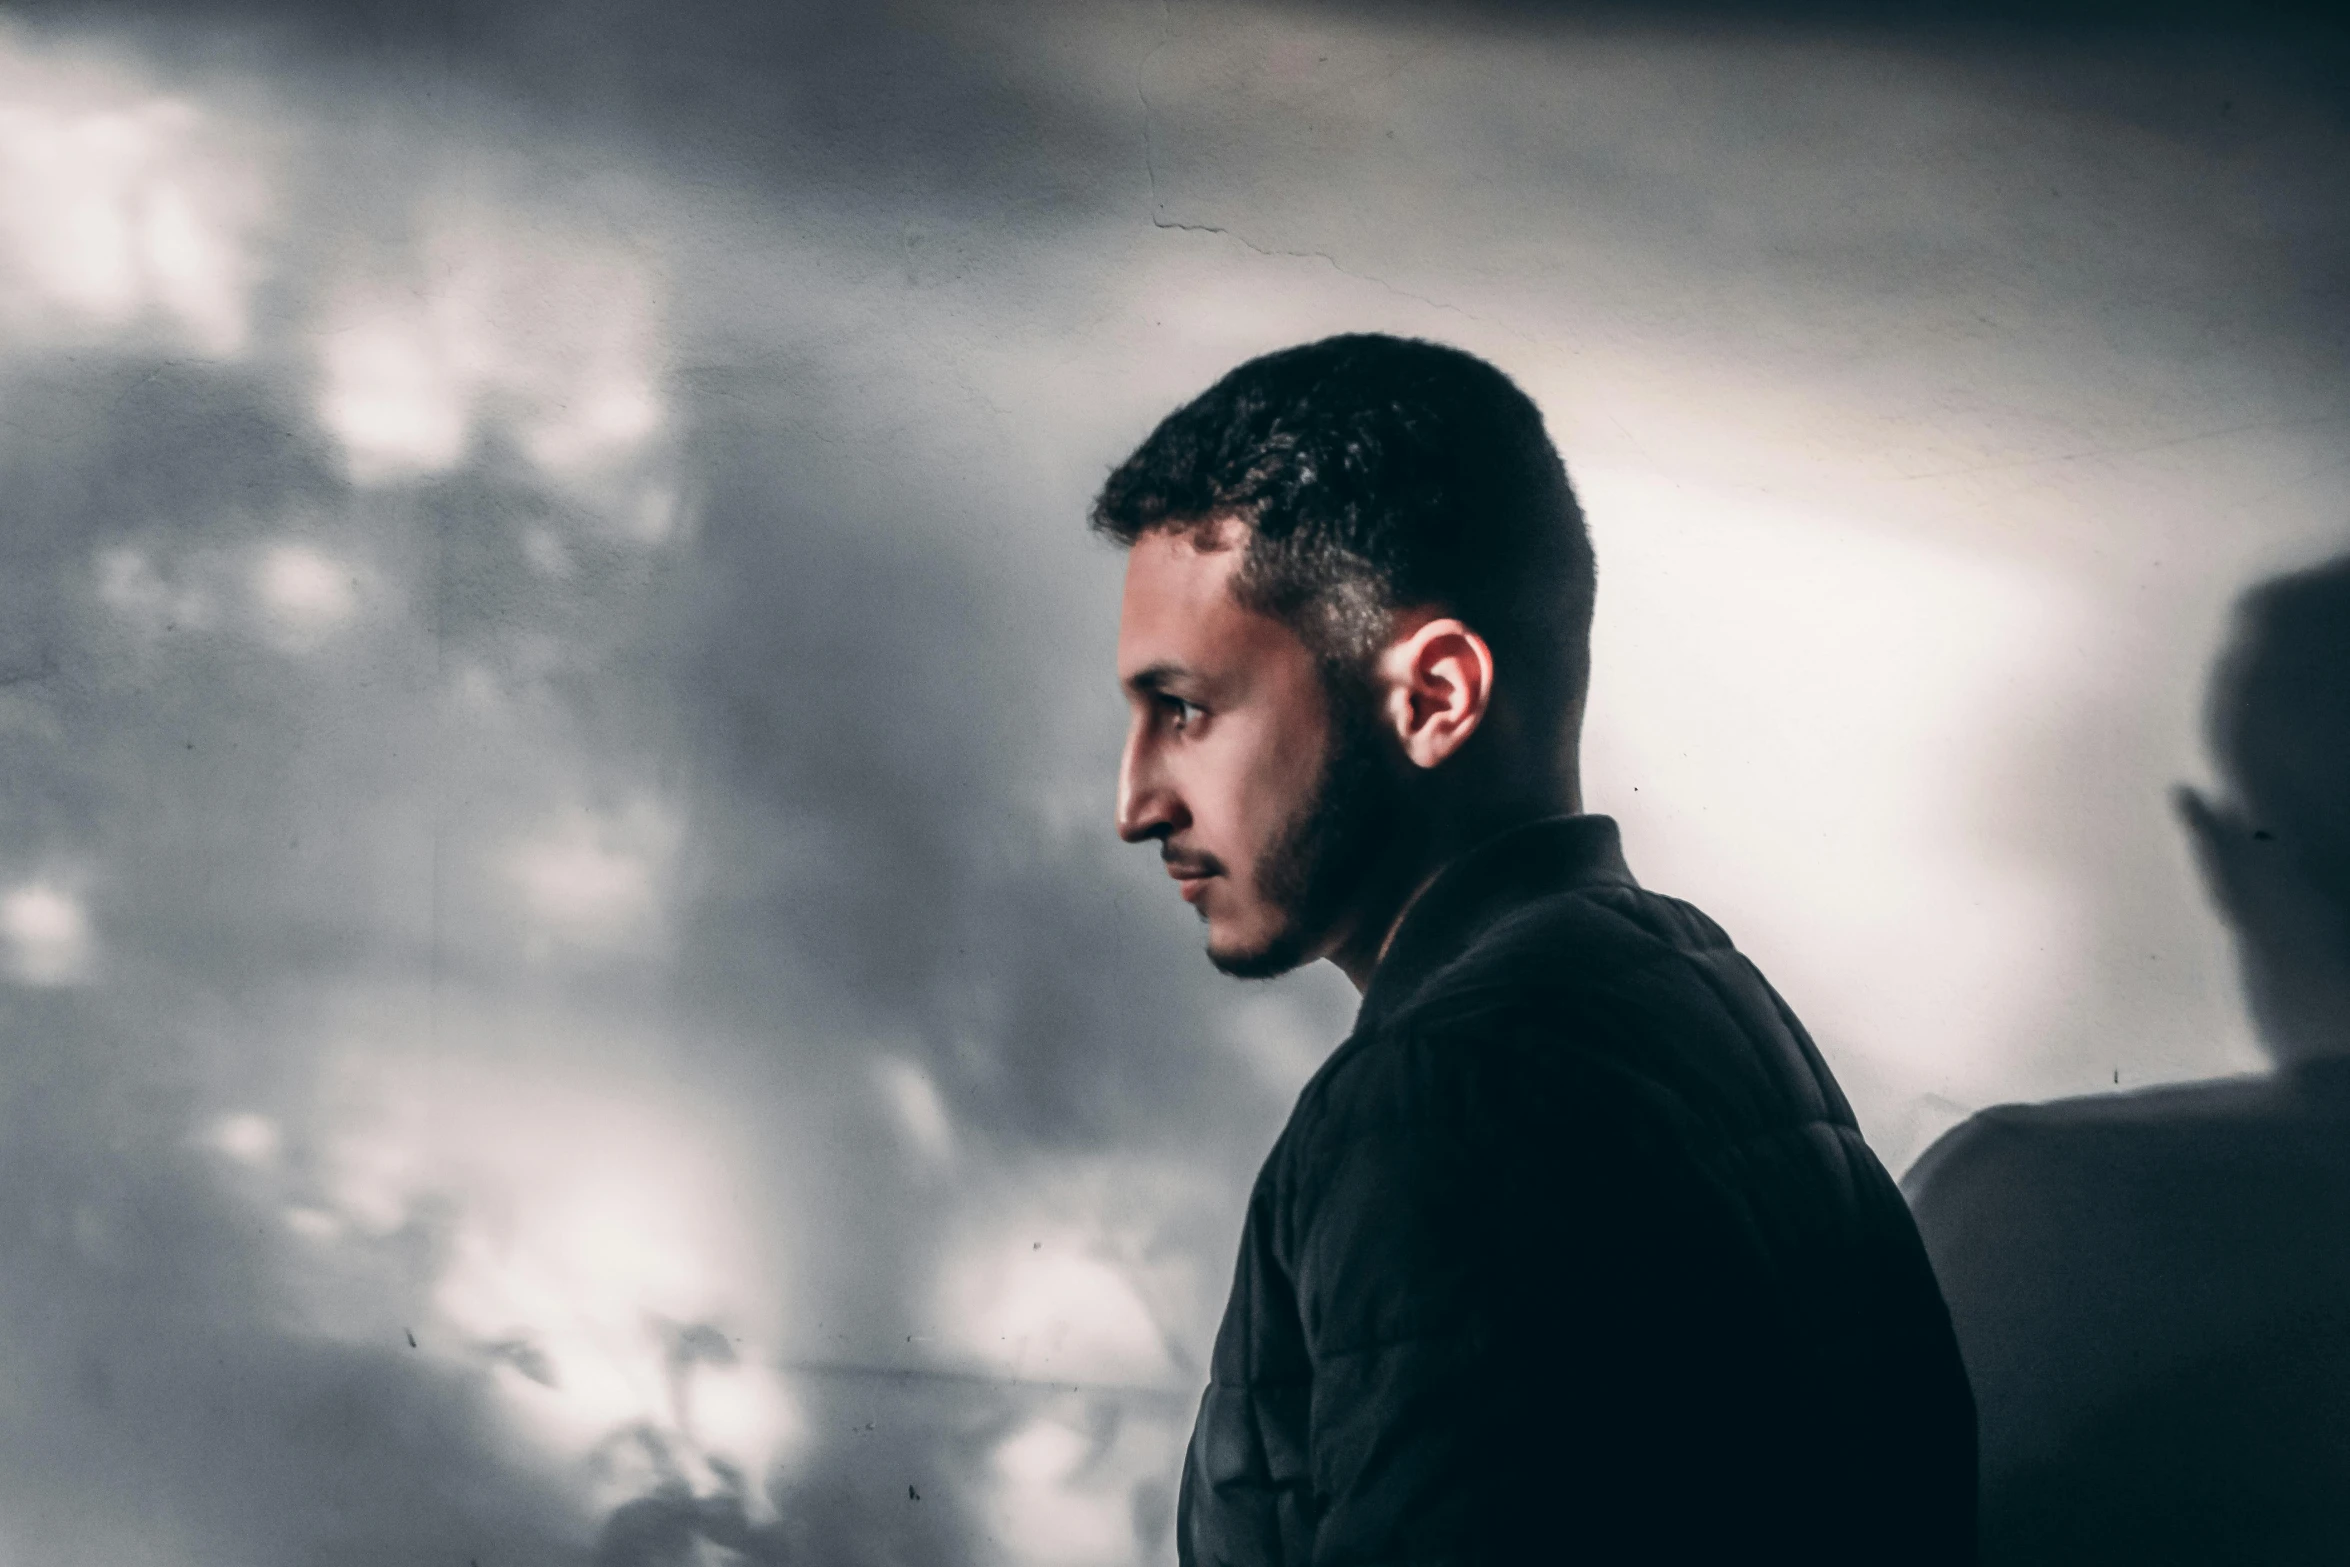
x=1263, y=958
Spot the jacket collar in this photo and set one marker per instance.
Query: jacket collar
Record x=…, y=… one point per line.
x=1479, y=888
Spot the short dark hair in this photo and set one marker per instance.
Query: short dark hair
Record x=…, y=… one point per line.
x=2279, y=716
x=1378, y=473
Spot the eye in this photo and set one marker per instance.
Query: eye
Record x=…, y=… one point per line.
x=1181, y=714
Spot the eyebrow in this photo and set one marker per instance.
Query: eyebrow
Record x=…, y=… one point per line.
x=1154, y=679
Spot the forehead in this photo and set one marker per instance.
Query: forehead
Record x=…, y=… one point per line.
x=1179, y=610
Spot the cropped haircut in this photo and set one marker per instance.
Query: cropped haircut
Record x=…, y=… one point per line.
x=1373, y=474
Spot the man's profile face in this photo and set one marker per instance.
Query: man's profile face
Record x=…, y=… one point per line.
x=1264, y=797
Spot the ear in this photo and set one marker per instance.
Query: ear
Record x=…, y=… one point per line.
x=2240, y=878
x=2208, y=835
x=1438, y=681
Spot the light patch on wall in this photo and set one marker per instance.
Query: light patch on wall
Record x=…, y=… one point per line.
x=597, y=879
x=914, y=1102
x=499, y=323
x=393, y=397
x=1066, y=1484
x=121, y=208
x=305, y=594
x=246, y=1137
x=1049, y=1302
x=590, y=1258
x=1797, y=718
x=130, y=584
x=47, y=934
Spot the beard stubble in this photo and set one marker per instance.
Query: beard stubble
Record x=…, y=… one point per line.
x=1322, y=863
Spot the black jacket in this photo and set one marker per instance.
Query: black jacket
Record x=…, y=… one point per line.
x=1572, y=1253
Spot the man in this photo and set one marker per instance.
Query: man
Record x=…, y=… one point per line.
x=2152, y=1288
x=1572, y=1251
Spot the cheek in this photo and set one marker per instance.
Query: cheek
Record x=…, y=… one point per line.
x=1268, y=780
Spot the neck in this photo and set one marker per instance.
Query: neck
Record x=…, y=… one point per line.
x=2293, y=953
x=1423, y=857
x=2302, y=1012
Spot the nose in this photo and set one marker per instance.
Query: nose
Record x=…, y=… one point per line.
x=1148, y=806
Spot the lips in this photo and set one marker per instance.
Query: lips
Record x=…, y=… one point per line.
x=1191, y=875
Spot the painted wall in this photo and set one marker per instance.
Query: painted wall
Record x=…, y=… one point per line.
x=562, y=946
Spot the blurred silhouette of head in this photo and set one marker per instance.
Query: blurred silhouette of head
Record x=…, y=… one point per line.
x=1355, y=636
x=2276, y=855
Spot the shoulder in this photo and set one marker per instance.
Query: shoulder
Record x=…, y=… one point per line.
x=1536, y=969
x=1652, y=995
x=2017, y=1179
x=1598, y=1023
x=1566, y=959
x=1543, y=998
x=1979, y=1162
x=1639, y=994
x=1999, y=1146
